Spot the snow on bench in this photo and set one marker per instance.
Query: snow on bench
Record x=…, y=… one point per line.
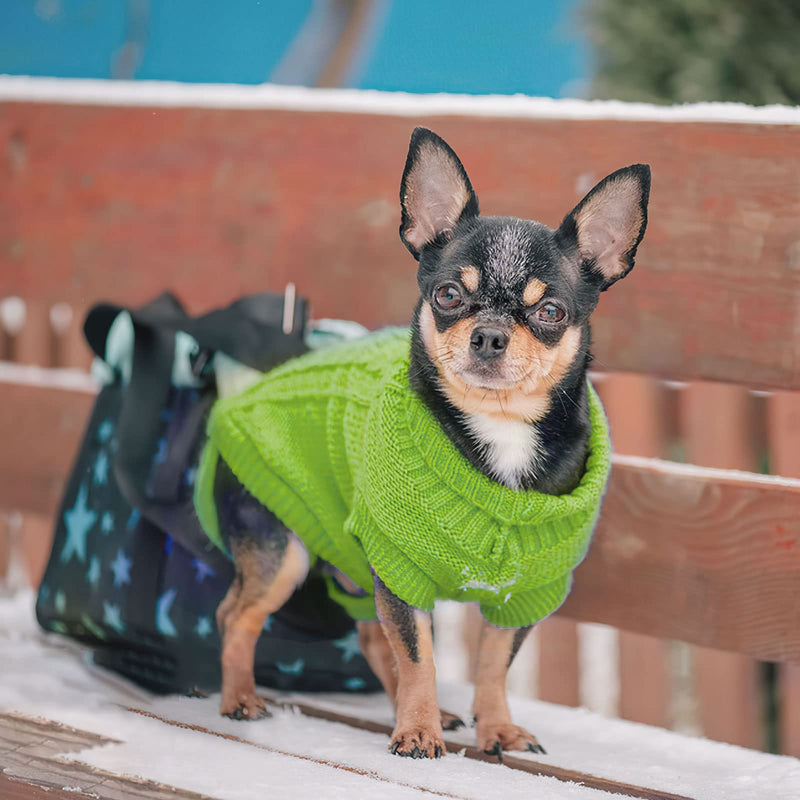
x=294, y=756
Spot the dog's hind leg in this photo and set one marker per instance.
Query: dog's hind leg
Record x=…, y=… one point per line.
x=496, y=733
x=228, y=604
x=270, y=562
x=418, y=726
x=378, y=652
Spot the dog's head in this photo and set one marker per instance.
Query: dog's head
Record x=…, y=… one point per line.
x=505, y=302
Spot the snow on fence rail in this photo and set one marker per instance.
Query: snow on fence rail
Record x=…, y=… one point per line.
x=361, y=101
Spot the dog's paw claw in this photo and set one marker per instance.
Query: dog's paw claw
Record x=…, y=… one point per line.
x=250, y=707
x=417, y=744
x=451, y=722
x=495, y=738
x=495, y=750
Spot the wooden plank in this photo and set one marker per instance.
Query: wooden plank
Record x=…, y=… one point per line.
x=702, y=556
x=645, y=682
x=34, y=344
x=11, y=789
x=30, y=767
x=783, y=426
x=5, y=545
x=41, y=428
x=635, y=406
x=719, y=428
x=69, y=347
x=36, y=540
x=470, y=637
x=559, y=673
x=121, y=202
x=789, y=699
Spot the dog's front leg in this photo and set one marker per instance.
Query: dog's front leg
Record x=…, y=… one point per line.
x=496, y=650
x=418, y=726
x=378, y=652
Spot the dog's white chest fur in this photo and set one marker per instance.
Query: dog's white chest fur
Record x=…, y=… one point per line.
x=511, y=446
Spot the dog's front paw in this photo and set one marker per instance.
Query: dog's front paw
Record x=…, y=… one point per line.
x=418, y=742
x=243, y=705
x=496, y=737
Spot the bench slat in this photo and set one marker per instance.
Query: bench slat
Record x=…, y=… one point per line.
x=119, y=203
x=703, y=556
x=700, y=555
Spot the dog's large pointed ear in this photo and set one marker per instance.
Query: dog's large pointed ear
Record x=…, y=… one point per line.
x=435, y=193
x=605, y=228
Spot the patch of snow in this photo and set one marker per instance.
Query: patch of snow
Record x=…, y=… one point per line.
x=704, y=473
x=487, y=587
x=47, y=377
x=13, y=313
x=450, y=653
x=598, y=668
x=357, y=101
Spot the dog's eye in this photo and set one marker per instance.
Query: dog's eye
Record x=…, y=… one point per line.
x=448, y=296
x=550, y=313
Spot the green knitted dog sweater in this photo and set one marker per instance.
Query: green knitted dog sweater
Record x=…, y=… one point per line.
x=338, y=446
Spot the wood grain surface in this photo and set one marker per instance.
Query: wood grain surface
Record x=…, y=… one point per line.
x=40, y=430
x=31, y=767
x=559, y=662
x=704, y=556
x=783, y=431
x=120, y=203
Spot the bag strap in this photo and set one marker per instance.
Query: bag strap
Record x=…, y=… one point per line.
x=251, y=330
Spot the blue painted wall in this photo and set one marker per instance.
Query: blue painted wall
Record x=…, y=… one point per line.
x=417, y=45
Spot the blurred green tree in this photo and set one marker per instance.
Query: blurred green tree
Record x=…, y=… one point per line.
x=682, y=51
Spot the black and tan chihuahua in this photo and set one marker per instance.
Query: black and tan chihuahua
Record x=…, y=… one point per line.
x=500, y=349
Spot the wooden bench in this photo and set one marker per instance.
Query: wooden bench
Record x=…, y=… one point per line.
x=118, y=194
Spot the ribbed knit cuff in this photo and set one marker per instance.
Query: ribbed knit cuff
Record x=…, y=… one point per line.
x=528, y=608
x=400, y=574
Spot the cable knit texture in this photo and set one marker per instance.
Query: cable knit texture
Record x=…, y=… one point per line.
x=341, y=449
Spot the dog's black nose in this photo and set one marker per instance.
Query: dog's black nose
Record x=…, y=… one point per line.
x=488, y=342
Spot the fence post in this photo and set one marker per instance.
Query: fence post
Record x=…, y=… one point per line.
x=29, y=341
x=783, y=431
x=635, y=408
x=718, y=425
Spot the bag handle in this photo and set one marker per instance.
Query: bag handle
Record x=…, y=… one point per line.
x=251, y=330
x=259, y=330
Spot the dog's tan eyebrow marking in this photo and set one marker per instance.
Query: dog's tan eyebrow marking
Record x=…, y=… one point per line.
x=533, y=291
x=470, y=277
